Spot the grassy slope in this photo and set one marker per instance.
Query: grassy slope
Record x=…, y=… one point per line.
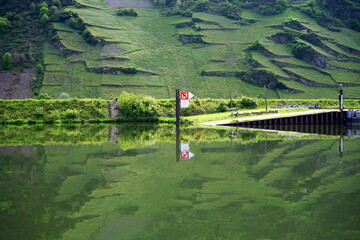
x=150, y=43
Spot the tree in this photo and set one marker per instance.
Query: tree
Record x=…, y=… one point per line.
x=32, y=7
x=7, y=61
x=43, y=10
x=4, y=25
x=44, y=19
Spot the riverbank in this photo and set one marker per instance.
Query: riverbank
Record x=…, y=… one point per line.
x=31, y=111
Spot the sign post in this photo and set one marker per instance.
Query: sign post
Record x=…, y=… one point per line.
x=181, y=101
x=177, y=106
x=341, y=100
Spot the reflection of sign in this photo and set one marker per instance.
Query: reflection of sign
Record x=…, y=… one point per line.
x=186, y=95
x=184, y=103
x=185, y=153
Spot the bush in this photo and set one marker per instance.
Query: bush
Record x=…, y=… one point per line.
x=39, y=69
x=7, y=61
x=70, y=114
x=303, y=51
x=43, y=96
x=132, y=106
x=127, y=70
x=88, y=37
x=126, y=12
x=245, y=103
x=64, y=95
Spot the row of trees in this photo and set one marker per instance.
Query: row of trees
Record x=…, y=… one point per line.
x=228, y=8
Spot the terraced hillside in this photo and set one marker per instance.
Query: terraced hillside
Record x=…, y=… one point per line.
x=210, y=55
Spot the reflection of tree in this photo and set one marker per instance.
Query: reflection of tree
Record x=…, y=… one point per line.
x=26, y=210
x=52, y=134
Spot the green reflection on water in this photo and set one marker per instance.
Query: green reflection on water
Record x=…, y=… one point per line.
x=123, y=182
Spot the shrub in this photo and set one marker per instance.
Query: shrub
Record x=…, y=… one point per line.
x=303, y=51
x=43, y=96
x=70, y=114
x=64, y=95
x=7, y=61
x=32, y=7
x=132, y=106
x=245, y=103
x=44, y=19
x=127, y=70
x=89, y=37
x=39, y=69
x=126, y=12
x=222, y=107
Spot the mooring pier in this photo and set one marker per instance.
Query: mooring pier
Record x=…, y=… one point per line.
x=331, y=117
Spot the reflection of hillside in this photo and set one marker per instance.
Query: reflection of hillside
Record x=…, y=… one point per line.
x=252, y=186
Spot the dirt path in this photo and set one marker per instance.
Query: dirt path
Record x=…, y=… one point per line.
x=16, y=84
x=129, y=3
x=276, y=115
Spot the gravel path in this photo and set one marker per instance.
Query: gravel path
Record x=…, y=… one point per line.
x=129, y=3
x=276, y=115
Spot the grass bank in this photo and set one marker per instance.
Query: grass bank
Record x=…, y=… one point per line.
x=32, y=111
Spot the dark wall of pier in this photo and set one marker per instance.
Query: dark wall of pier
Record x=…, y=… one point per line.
x=318, y=118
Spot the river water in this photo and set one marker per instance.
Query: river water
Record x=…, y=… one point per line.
x=131, y=182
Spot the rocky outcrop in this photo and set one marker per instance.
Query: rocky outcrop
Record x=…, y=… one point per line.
x=16, y=84
x=281, y=37
x=190, y=39
x=349, y=49
x=119, y=71
x=184, y=24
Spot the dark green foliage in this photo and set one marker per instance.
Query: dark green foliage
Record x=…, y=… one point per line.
x=132, y=106
x=245, y=103
x=330, y=13
x=32, y=7
x=43, y=96
x=282, y=37
x=7, y=61
x=303, y=51
x=4, y=25
x=191, y=38
x=127, y=70
x=256, y=46
x=126, y=12
x=261, y=77
x=44, y=19
x=37, y=85
x=88, y=37
x=39, y=69
x=311, y=38
x=228, y=8
x=269, y=8
x=294, y=24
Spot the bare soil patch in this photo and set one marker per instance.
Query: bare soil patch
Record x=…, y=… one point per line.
x=16, y=84
x=129, y=3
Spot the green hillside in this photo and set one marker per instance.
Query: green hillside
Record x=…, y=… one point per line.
x=95, y=53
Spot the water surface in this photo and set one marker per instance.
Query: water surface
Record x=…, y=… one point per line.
x=130, y=182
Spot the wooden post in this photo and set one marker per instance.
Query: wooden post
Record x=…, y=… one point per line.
x=177, y=145
x=341, y=100
x=177, y=106
x=265, y=98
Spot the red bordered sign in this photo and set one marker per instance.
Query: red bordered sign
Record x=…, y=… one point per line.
x=184, y=155
x=186, y=95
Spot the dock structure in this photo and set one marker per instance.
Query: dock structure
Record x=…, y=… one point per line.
x=328, y=123
x=333, y=117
